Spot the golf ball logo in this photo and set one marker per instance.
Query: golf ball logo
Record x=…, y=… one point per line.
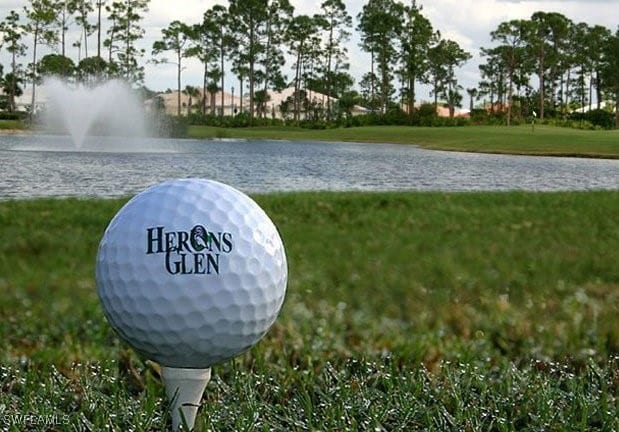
x=193, y=251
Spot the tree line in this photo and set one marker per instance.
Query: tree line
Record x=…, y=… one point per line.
x=254, y=36
x=571, y=63
x=251, y=40
x=46, y=23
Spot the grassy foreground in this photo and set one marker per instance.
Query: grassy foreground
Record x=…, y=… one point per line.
x=545, y=140
x=405, y=311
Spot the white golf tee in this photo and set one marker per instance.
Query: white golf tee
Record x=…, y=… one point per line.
x=184, y=388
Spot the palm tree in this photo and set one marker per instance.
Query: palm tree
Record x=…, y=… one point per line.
x=192, y=92
x=212, y=88
x=472, y=92
x=11, y=85
x=262, y=97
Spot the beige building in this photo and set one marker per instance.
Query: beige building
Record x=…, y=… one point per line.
x=23, y=102
x=194, y=103
x=233, y=104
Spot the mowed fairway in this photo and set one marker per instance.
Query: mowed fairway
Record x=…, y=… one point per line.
x=405, y=311
x=545, y=140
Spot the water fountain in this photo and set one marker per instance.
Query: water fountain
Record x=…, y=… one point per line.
x=108, y=109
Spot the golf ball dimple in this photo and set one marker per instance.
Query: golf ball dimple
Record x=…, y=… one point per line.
x=191, y=273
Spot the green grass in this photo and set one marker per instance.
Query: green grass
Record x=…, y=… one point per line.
x=12, y=125
x=405, y=311
x=546, y=140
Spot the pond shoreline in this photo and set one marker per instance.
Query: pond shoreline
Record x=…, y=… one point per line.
x=546, y=141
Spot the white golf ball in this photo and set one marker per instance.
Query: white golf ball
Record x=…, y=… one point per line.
x=191, y=273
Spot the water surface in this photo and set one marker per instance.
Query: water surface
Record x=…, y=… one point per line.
x=40, y=166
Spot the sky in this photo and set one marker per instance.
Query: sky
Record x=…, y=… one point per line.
x=468, y=22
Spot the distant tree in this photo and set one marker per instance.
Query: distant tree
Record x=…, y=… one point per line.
x=175, y=38
x=301, y=39
x=12, y=40
x=225, y=42
x=248, y=19
x=112, y=41
x=346, y=103
x=215, y=41
x=205, y=45
x=262, y=98
x=100, y=5
x=90, y=69
x=257, y=27
x=193, y=93
x=580, y=66
x=442, y=58
x=284, y=108
x=493, y=73
x=416, y=38
x=380, y=24
x=453, y=97
x=546, y=36
x=511, y=36
x=124, y=32
x=4, y=100
x=598, y=36
x=368, y=91
x=337, y=28
x=278, y=19
x=454, y=57
x=341, y=82
x=472, y=92
x=212, y=88
x=609, y=71
x=64, y=11
x=12, y=86
x=561, y=28
x=56, y=65
x=40, y=15
x=82, y=10
x=241, y=71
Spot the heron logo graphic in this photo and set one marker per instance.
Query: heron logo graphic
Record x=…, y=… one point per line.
x=197, y=251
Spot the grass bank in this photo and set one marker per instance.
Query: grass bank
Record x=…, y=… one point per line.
x=12, y=125
x=405, y=311
x=545, y=140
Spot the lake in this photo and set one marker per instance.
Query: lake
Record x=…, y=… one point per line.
x=44, y=166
